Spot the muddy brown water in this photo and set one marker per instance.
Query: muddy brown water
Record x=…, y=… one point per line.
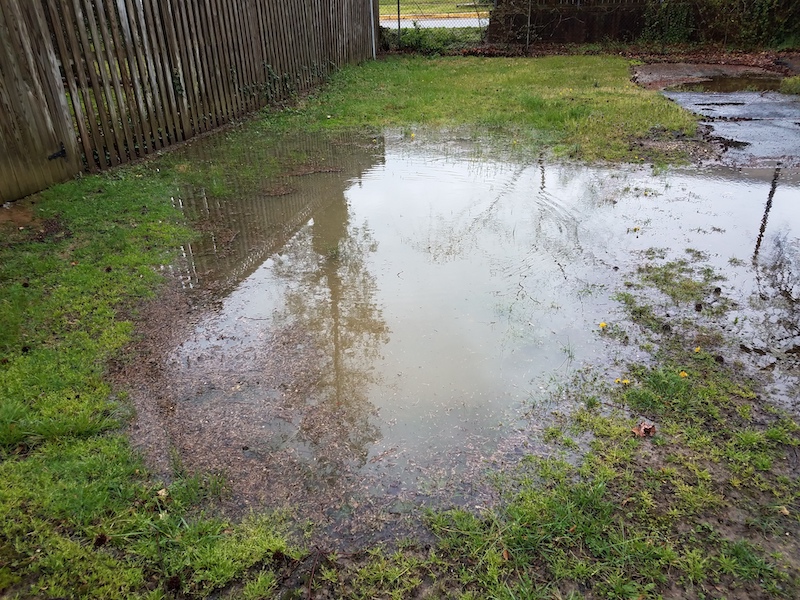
x=379, y=329
x=727, y=84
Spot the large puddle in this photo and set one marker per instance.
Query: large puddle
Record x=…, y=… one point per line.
x=386, y=319
x=759, y=129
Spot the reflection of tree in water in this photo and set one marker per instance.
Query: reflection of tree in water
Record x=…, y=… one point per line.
x=778, y=279
x=331, y=296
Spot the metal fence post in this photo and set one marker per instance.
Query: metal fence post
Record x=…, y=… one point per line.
x=372, y=26
x=528, y=32
x=398, y=23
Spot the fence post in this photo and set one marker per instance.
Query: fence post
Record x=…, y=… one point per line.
x=372, y=28
x=528, y=32
x=398, y=23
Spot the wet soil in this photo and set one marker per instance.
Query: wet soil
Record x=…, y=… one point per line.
x=16, y=214
x=672, y=75
x=745, y=121
x=242, y=393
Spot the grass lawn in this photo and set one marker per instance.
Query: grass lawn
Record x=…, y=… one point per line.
x=580, y=107
x=706, y=508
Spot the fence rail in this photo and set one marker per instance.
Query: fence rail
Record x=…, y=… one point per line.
x=91, y=84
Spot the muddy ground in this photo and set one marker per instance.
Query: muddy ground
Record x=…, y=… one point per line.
x=170, y=434
x=663, y=74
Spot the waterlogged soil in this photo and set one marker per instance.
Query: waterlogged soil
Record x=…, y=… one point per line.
x=374, y=331
x=744, y=117
x=734, y=77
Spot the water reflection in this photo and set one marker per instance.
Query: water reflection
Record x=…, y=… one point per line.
x=244, y=214
x=776, y=298
x=330, y=294
x=380, y=330
x=767, y=208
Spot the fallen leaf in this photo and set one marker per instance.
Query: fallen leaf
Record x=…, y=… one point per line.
x=506, y=555
x=784, y=511
x=163, y=492
x=644, y=429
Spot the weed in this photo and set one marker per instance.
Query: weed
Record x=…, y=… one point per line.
x=790, y=85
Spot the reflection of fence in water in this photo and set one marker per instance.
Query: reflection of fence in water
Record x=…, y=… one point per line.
x=242, y=230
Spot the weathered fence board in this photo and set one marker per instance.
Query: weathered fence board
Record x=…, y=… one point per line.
x=37, y=143
x=116, y=80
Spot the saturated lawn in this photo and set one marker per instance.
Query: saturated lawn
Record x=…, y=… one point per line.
x=81, y=517
x=583, y=107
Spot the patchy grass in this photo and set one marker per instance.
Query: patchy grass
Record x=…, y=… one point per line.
x=582, y=106
x=79, y=516
x=707, y=507
x=790, y=85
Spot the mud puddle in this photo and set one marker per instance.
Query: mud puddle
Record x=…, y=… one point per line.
x=726, y=84
x=376, y=338
x=751, y=122
x=756, y=128
x=755, y=125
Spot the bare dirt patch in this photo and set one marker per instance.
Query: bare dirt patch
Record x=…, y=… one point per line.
x=14, y=214
x=657, y=76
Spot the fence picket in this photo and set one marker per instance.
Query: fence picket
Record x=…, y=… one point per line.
x=74, y=97
x=128, y=108
x=110, y=99
x=177, y=76
x=155, y=33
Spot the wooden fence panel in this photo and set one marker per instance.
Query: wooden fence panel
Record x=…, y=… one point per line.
x=116, y=80
x=38, y=146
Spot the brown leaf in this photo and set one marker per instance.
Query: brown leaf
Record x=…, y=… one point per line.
x=644, y=429
x=506, y=555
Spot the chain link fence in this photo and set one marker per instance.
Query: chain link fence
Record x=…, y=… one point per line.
x=744, y=23
x=434, y=25
x=453, y=26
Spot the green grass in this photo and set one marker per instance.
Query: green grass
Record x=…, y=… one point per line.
x=790, y=85
x=583, y=107
x=79, y=515
x=388, y=8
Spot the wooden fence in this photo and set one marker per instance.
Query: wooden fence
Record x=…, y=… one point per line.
x=90, y=84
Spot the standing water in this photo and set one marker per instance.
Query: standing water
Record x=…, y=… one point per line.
x=385, y=321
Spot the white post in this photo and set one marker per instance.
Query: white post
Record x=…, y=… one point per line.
x=372, y=27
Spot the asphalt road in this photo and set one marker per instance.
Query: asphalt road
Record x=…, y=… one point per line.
x=425, y=23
